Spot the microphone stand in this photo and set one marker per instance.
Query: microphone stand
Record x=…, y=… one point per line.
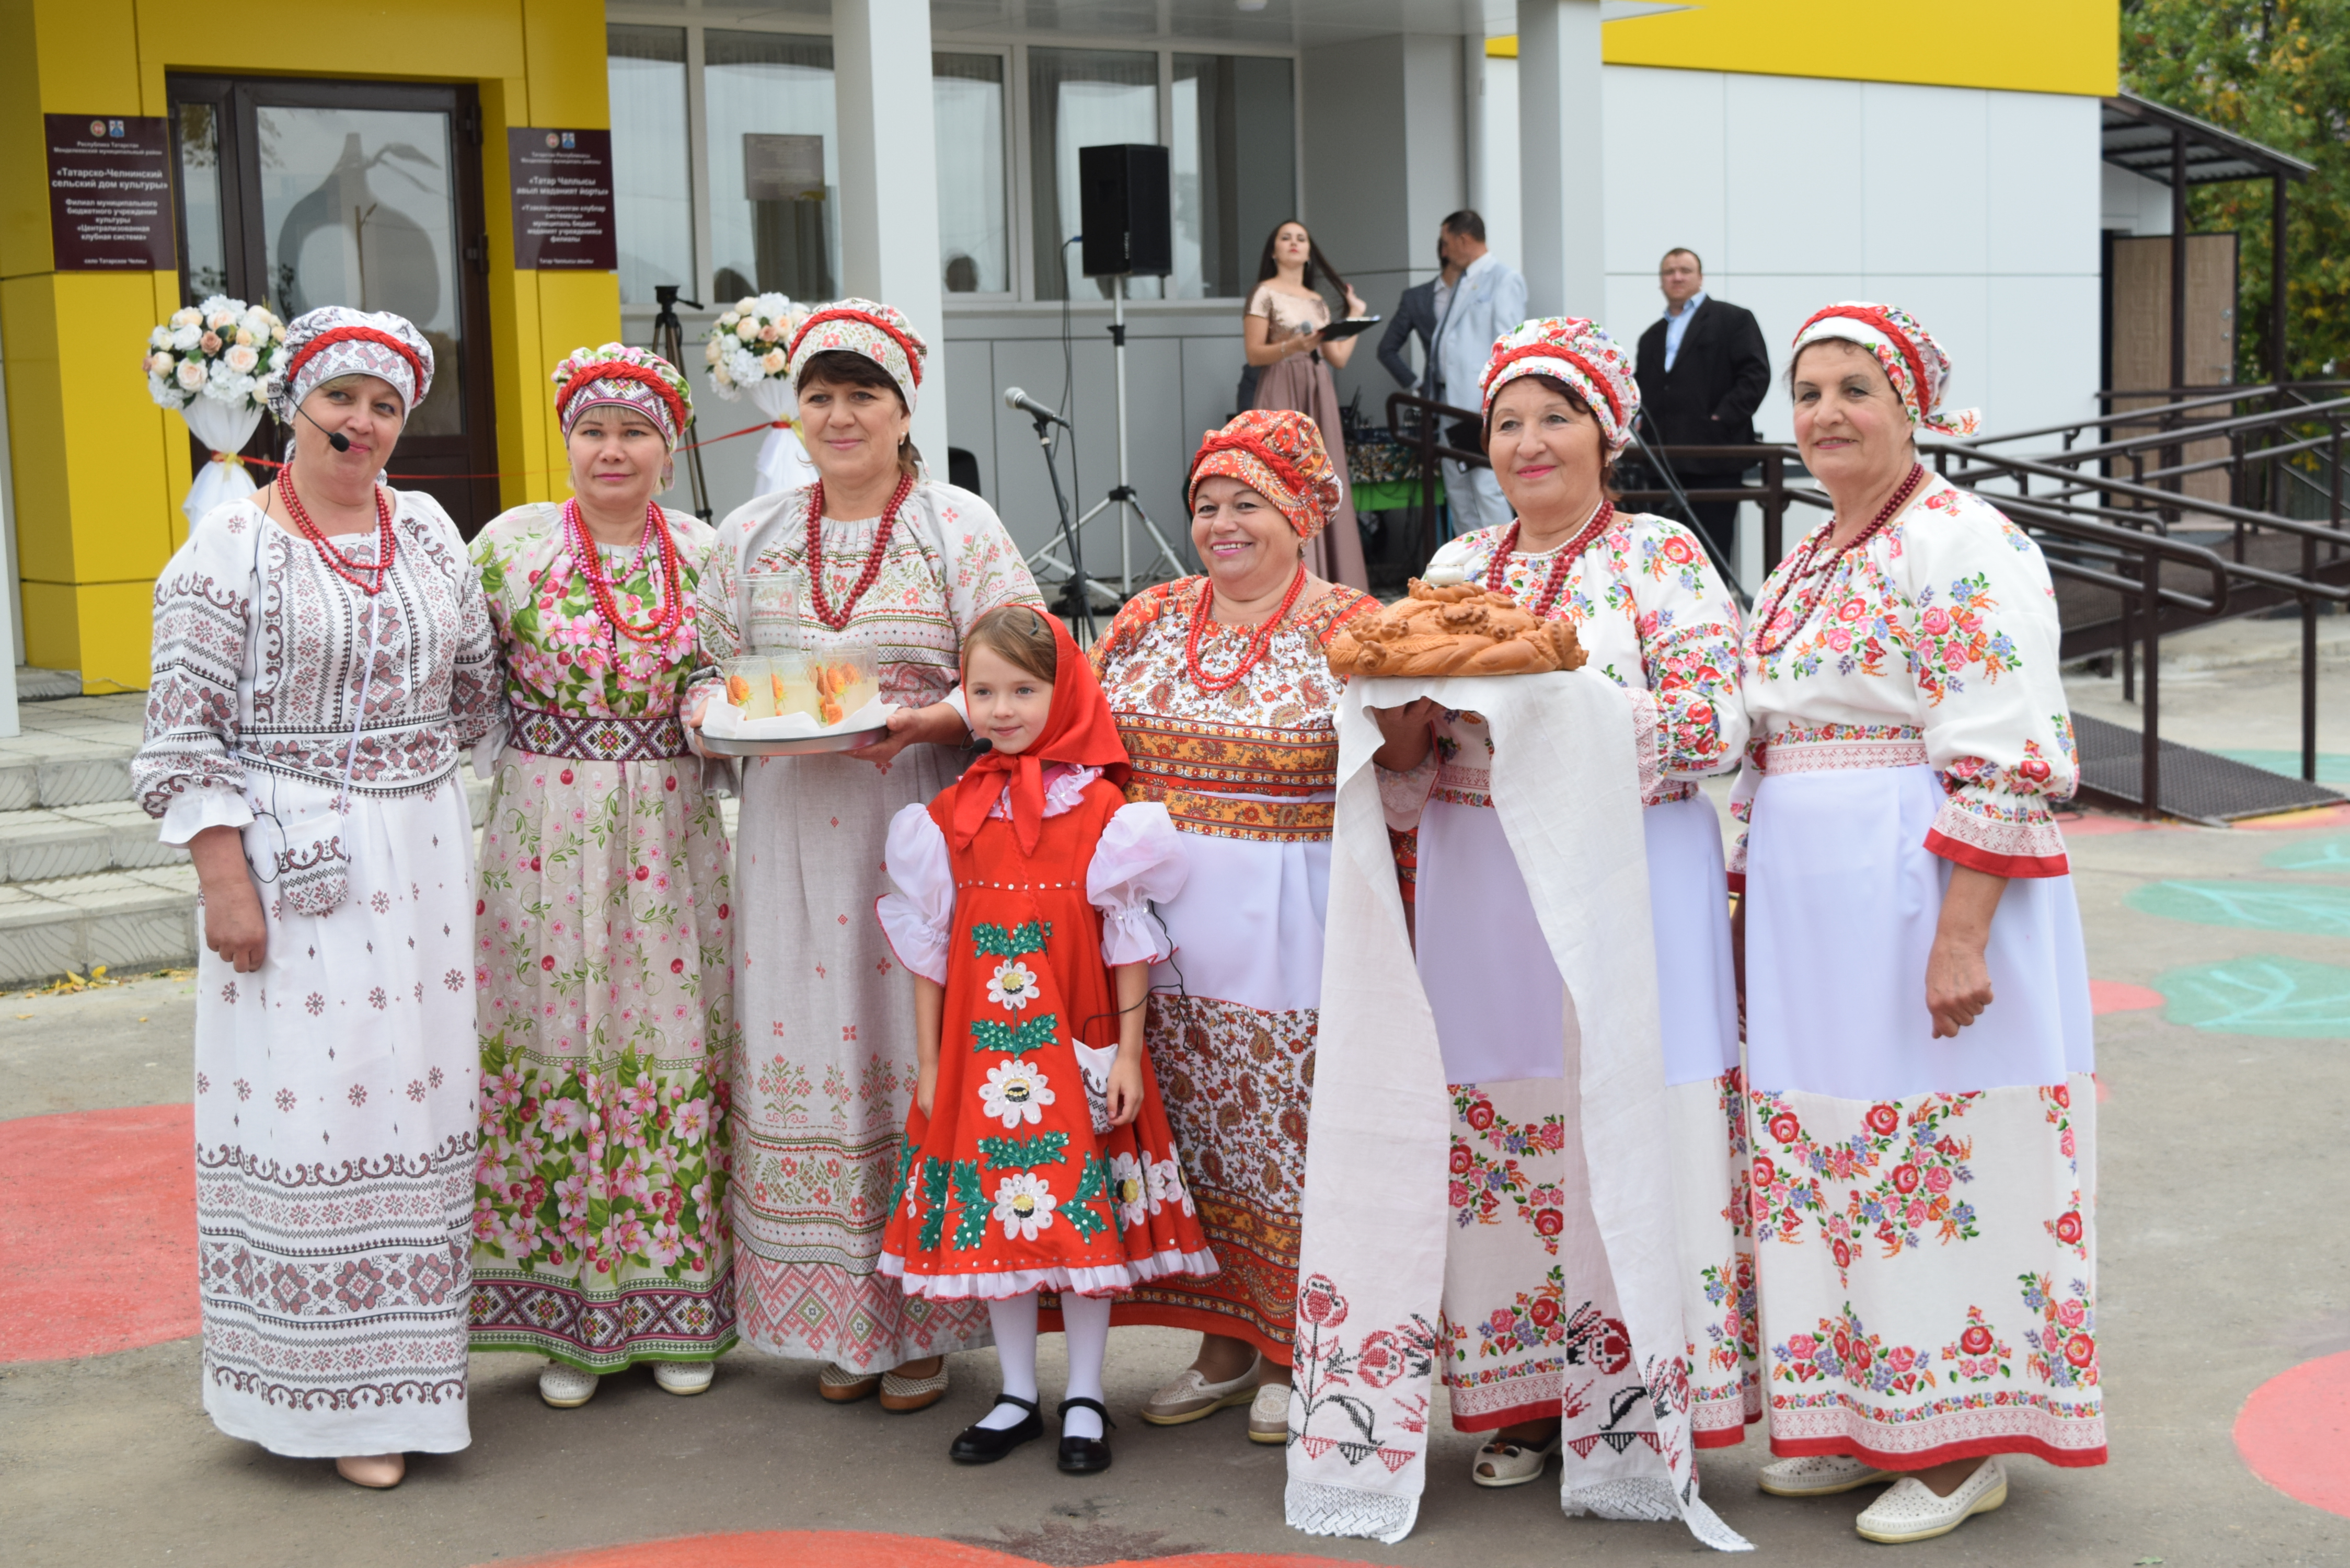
x=668, y=342
x=1663, y=470
x=1076, y=603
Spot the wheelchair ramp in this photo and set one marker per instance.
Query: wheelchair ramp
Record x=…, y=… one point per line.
x=2194, y=784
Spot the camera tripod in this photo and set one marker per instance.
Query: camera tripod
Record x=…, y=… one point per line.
x=668, y=342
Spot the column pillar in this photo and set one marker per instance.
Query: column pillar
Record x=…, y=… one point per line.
x=1560, y=153
x=889, y=182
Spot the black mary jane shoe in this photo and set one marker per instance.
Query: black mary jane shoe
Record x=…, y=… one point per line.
x=1086, y=1456
x=985, y=1445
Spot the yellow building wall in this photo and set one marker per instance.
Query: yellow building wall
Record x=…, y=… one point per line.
x=2016, y=46
x=98, y=468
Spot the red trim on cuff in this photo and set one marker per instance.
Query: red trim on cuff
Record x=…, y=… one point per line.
x=1962, y=854
x=1738, y=882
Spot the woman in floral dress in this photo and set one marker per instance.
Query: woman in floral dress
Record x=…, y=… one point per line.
x=1918, y=1031
x=1224, y=698
x=880, y=554
x=1528, y=1297
x=603, y=931
x=321, y=661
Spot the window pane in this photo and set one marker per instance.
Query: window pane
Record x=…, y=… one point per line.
x=775, y=171
x=204, y=266
x=1082, y=98
x=358, y=209
x=651, y=182
x=1228, y=199
x=967, y=93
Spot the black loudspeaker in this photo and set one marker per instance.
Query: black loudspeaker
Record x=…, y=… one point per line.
x=1125, y=211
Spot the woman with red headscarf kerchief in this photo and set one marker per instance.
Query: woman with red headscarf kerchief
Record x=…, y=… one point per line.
x=880, y=555
x=1918, y=1022
x=1652, y=615
x=604, y=950
x=1037, y=1156
x=321, y=661
x=1223, y=696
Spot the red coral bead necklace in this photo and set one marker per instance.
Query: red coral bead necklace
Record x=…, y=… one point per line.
x=1562, y=562
x=1260, y=639
x=1809, y=568
x=837, y=618
x=590, y=559
x=351, y=571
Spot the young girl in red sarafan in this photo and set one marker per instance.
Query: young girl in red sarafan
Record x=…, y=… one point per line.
x=1036, y=1159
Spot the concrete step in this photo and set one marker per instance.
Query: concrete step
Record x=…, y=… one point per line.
x=78, y=840
x=123, y=920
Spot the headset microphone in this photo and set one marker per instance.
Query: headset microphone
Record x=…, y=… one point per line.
x=335, y=439
x=982, y=745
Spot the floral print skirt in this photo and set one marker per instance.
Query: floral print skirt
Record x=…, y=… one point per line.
x=606, y=1017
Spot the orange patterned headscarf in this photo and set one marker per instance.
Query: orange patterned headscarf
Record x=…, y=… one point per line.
x=1278, y=454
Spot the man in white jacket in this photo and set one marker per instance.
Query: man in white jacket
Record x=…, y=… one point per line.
x=1489, y=300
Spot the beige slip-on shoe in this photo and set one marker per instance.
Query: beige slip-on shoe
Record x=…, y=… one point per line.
x=901, y=1396
x=565, y=1386
x=1506, y=1463
x=1819, y=1475
x=685, y=1377
x=1269, y=1413
x=841, y=1385
x=1910, y=1512
x=1192, y=1398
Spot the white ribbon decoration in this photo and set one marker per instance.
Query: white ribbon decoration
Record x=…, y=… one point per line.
x=224, y=428
x=784, y=463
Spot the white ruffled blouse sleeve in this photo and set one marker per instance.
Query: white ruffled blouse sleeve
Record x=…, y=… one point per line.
x=919, y=917
x=1139, y=860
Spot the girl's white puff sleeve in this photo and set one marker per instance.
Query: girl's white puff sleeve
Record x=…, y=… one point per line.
x=919, y=917
x=1139, y=860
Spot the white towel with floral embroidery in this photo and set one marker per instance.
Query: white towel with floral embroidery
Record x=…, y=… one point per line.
x=1371, y=1275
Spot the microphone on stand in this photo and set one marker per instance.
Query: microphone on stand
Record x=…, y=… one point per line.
x=1014, y=398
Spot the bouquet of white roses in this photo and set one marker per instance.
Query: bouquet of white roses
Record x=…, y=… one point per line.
x=748, y=353
x=209, y=361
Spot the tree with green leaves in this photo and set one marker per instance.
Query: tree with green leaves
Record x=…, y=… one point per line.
x=2277, y=72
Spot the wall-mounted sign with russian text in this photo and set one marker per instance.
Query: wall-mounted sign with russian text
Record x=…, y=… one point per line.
x=562, y=199
x=111, y=193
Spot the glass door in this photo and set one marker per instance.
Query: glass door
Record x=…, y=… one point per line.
x=366, y=194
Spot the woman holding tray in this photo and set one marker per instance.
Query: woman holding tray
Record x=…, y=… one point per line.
x=603, y=941
x=1527, y=1291
x=1281, y=334
x=1224, y=699
x=1918, y=1031
x=875, y=554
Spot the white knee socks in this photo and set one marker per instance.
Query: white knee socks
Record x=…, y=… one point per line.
x=1085, y=1320
x=1014, y=1321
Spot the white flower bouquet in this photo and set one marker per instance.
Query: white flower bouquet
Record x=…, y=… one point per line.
x=209, y=361
x=748, y=355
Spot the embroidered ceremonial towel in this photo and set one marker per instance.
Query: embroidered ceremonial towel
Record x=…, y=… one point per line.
x=1371, y=1273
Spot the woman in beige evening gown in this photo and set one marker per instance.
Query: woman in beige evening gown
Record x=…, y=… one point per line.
x=1281, y=333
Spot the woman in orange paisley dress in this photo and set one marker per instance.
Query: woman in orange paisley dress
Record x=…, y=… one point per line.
x=1225, y=699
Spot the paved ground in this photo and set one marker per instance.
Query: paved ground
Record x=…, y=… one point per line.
x=2225, y=1262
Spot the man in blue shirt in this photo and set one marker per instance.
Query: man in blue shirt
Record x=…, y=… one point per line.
x=1489, y=300
x=1703, y=370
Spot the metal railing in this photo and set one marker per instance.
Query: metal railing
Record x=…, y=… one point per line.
x=2105, y=514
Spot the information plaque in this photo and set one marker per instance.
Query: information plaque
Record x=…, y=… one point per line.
x=111, y=193
x=562, y=199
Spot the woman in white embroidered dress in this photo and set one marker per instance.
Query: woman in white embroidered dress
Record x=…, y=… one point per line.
x=1918, y=1034
x=878, y=552
x=1224, y=698
x=1529, y=1305
x=607, y=1009
x=322, y=658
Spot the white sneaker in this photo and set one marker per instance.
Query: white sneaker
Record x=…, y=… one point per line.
x=685, y=1376
x=1192, y=1398
x=1818, y=1475
x=1910, y=1512
x=565, y=1386
x=1268, y=1420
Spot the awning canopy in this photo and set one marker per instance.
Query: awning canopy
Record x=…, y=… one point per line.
x=2138, y=133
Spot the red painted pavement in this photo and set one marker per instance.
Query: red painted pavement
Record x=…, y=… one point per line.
x=850, y=1548
x=2294, y=1433
x=98, y=1232
x=2119, y=996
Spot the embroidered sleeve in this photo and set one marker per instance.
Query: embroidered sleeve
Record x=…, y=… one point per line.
x=1982, y=622
x=1138, y=861
x=1742, y=811
x=1688, y=631
x=918, y=915
x=715, y=636
x=983, y=568
x=1403, y=796
x=1134, y=618
x=203, y=602
x=477, y=691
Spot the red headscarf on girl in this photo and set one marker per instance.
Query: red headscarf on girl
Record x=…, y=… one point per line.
x=1078, y=731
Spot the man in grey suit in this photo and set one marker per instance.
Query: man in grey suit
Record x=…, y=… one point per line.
x=1416, y=316
x=1489, y=300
